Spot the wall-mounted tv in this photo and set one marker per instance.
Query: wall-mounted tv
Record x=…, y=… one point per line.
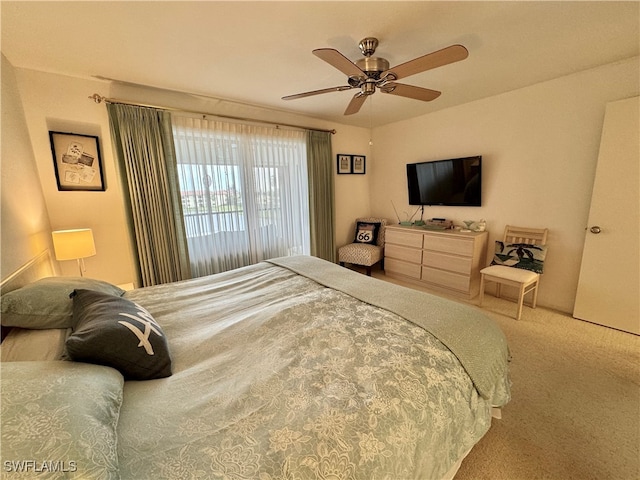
x=454, y=182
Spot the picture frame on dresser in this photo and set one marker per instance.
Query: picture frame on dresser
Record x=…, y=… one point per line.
x=77, y=161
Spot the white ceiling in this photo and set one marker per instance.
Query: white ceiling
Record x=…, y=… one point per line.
x=257, y=52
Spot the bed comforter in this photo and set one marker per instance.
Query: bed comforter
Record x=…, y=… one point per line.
x=277, y=375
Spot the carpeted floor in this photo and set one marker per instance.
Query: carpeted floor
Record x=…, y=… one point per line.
x=575, y=408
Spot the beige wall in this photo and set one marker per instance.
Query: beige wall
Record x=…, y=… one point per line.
x=60, y=103
x=540, y=148
x=539, y=144
x=25, y=225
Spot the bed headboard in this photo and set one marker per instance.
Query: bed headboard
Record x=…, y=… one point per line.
x=38, y=267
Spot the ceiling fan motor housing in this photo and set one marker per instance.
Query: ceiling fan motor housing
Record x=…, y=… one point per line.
x=373, y=66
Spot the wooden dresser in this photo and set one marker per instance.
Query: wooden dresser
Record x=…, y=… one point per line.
x=445, y=260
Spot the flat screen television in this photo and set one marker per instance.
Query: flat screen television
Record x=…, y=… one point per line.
x=454, y=182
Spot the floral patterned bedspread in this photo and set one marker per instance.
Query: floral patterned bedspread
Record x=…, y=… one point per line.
x=279, y=377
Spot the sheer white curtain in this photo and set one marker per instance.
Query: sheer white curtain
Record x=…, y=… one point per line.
x=244, y=192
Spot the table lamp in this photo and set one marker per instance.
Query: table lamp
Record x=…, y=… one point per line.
x=74, y=244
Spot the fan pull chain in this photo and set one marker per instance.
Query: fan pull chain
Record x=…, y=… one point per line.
x=370, y=119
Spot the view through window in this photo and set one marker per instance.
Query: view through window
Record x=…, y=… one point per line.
x=244, y=193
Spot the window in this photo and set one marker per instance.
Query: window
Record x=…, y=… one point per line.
x=244, y=192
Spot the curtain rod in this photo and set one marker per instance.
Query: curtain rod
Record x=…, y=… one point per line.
x=99, y=99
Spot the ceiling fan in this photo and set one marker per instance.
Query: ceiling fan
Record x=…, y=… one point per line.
x=370, y=72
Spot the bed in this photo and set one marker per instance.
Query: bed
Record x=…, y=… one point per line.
x=294, y=368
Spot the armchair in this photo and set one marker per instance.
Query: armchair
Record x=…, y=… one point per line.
x=367, y=248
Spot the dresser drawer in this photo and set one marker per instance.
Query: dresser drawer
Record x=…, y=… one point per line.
x=447, y=261
x=451, y=280
x=444, y=261
x=447, y=244
x=392, y=265
x=407, y=239
x=403, y=253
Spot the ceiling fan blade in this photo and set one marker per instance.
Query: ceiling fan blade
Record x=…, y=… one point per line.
x=318, y=92
x=447, y=55
x=356, y=102
x=410, y=91
x=339, y=61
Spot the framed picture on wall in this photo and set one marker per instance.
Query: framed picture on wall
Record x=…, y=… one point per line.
x=358, y=164
x=77, y=161
x=344, y=163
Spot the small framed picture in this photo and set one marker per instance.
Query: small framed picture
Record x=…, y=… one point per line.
x=77, y=161
x=344, y=163
x=358, y=164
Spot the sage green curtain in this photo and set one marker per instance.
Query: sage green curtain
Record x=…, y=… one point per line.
x=143, y=141
x=321, y=195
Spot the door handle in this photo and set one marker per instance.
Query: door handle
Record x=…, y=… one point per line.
x=595, y=229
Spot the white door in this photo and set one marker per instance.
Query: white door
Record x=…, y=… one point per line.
x=609, y=284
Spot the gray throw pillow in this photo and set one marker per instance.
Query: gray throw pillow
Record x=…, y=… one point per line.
x=118, y=333
x=45, y=303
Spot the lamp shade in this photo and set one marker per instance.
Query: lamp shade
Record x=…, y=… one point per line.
x=73, y=244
